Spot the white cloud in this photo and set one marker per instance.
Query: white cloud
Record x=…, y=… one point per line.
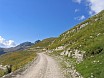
x=76, y=10
x=95, y=6
x=77, y=1
x=6, y=43
x=80, y=18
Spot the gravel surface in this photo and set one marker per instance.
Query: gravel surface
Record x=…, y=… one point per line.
x=44, y=67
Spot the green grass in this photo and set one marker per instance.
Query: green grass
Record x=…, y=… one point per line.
x=82, y=36
x=44, y=43
x=92, y=66
x=17, y=59
x=1, y=72
x=90, y=37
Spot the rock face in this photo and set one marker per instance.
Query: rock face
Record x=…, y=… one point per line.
x=79, y=55
x=59, y=48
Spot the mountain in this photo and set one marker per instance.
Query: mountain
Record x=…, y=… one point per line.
x=1, y=51
x=37, y=41
x=44, y=43
x=22, y=46
x=83, y=45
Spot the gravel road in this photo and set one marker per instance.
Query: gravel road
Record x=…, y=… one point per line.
x=44, y=67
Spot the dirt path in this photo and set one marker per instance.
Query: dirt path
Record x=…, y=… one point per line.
x=44, y=67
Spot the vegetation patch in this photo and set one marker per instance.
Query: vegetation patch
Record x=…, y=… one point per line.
x=16, y=60
x=92, y=67
x=44, y=43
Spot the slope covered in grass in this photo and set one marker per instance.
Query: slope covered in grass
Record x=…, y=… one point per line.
x=92, y=67
x=44, y=43
x=16, y=59
x=87, y=36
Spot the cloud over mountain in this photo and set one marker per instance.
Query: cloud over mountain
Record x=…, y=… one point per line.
x=6, y=43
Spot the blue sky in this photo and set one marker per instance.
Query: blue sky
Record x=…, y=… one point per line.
x=30, y=20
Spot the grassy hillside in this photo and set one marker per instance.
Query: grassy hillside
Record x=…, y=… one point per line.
x=92, y=67
x=44, y=43
x=16, y=59
x=87, y=36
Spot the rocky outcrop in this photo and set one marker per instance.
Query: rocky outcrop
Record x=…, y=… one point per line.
x=79, y=55
x=59, y=48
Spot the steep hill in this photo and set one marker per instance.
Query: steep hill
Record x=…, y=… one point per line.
x=87, y=36
x=84, y=46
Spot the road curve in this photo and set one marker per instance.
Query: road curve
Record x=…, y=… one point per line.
x=44, y=67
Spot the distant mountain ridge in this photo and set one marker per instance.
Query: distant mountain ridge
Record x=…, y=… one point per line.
x=21, y=46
